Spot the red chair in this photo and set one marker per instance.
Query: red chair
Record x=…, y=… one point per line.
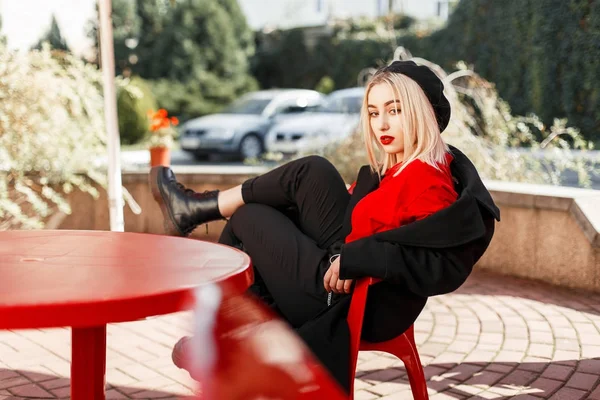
x=402, y=346
x=242, y=351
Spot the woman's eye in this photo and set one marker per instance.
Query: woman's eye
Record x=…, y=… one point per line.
x=373, y=114
x=394, y=111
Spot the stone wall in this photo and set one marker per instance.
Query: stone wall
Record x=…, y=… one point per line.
x=547, y=233
x=92, y=214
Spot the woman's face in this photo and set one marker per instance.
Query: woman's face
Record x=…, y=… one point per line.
x=384, y=118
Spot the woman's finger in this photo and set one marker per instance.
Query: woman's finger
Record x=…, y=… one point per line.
x=333, y=281
x=326, y=280
x=339, y=286
x=347, y=285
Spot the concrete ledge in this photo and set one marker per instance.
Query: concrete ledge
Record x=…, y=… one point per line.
x=586, y=211
x=547, y=233
x=199, y=174
x=93, y=214
x=582, y=204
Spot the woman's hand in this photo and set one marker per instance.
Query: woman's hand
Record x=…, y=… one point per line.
x=332, y=281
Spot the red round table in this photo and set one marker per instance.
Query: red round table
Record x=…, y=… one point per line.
x=87, y=279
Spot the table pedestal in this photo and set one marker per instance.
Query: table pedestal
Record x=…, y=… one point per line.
x=88, y=363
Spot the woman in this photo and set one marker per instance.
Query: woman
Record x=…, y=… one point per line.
x=418, y=217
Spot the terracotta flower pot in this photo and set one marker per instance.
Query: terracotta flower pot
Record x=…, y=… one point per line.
x=160, y=156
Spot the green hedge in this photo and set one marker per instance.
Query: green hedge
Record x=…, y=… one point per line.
x=542, y=55
x=282, y=59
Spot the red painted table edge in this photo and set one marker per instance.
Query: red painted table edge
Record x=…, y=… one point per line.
x=98, y=313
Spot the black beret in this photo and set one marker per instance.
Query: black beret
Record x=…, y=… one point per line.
x=431, y=85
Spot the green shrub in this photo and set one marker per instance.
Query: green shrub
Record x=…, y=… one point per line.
x=491, y=135
x=543, y=56
x=134, y=99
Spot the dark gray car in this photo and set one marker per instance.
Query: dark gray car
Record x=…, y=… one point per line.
x=240, y=129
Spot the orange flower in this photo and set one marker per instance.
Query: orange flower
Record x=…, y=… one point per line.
x=160, y=120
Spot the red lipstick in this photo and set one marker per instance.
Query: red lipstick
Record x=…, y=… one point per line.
x=385, y=140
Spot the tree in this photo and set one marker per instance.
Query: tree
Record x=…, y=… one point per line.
x=126, y=30
x=208, y=41
x=195, y=53
x=242, y=31
x=198, y=51
x=53, y=37
x=156, y=38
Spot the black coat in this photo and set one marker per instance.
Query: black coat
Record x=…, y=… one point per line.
x=425, y=258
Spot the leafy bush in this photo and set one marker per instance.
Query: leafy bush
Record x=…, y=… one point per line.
x=51, y=131
x=484, y=128
x=543, y=56
x=191, y=99
x=340, y=51
x=134, y=100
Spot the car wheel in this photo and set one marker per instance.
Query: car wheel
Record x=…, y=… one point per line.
x=250, y=147
x=201, y=156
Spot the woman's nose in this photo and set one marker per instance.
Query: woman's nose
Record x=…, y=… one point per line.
x=383, y=124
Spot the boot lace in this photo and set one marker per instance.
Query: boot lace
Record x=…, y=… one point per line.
x=192, y=192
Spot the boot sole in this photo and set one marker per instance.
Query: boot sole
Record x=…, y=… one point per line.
x=177, y=353
x=169, y=225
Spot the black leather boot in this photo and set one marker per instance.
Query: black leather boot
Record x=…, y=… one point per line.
x=183, y=209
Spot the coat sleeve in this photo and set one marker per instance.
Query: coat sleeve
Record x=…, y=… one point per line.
x=423, y=271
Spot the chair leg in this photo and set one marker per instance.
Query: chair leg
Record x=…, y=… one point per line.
x=351, y=394
x=416, y=376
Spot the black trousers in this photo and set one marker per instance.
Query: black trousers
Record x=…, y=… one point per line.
x=292, y=216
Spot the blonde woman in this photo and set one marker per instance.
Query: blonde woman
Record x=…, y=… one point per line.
x=418, y=217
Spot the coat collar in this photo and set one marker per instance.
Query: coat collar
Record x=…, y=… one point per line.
x=468, y=179
x=457, y=224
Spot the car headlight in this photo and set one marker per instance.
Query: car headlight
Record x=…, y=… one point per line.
x=220, y=133
x=270, y=138
x=319, y=133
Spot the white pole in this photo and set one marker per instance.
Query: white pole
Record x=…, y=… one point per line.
x=115, y=193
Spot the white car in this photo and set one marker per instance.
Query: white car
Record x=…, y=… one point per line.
x=335, y=120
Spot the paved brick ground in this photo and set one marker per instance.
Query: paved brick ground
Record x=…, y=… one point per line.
x=496, y=338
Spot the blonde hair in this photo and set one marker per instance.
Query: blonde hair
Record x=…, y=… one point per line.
x=422, y=139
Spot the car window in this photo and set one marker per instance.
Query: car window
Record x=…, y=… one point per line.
x=342, y=104
x=247, y=105
x=294, y=109
x=298, y=105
